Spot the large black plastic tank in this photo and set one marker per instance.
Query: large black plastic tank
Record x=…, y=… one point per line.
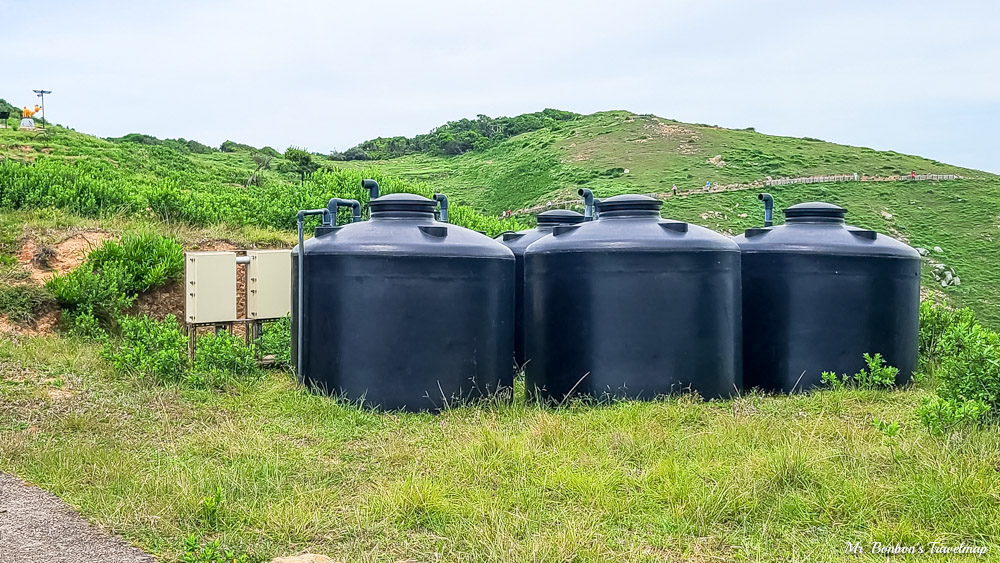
x=519, y=241
x=819, y=294
x=632, y=306
x=404, y=312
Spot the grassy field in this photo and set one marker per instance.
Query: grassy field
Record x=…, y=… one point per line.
x=755, y=478
x=267, y=469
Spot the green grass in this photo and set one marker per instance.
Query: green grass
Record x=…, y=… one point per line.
x=756, y=478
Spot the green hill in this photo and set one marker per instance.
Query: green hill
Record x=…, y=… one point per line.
x=264, y=468
x=609, y=152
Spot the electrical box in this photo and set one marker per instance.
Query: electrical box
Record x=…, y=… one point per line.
x=210, y=287
x=269, y=284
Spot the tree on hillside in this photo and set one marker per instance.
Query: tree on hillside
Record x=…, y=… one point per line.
x=299, y=162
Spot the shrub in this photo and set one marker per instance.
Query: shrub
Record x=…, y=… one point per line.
x=276, y=340
x=113, y=274
x=197, y=552
x=875, y=375
x=150, y=349
x=85, y=293
x=942, y=416
x=964, y=358
x=23, y=303
x=220, y=358
x=970, y=364
x=935, y=320
x=140, y=261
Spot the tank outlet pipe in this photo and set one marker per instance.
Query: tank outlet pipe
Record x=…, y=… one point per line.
x=768, y=208
x=338, y=202
x=588, y=203
x=443, y=201
x=300, y=221
x=371, y=186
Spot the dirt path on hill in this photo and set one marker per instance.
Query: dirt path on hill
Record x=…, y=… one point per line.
x=36, y=526
x=757, y=184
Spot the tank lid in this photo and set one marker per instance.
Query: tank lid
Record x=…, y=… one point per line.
x=629, y=205
x=815, y=211
x=406, y=204
x=559, y=217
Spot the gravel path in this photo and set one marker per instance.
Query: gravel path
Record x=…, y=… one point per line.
x=35, y=527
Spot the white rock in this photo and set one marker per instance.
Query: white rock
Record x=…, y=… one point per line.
x=938, y=249
x=956, y=281
x=923, y=251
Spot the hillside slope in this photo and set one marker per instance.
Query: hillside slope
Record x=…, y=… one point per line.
x=610, y=152
x=618, y=152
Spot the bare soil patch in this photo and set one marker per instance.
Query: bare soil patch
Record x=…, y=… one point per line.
x=43, y=262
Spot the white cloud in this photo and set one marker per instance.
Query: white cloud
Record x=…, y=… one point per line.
x=330, y=74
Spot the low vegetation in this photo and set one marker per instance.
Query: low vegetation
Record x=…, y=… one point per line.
x=213, y=457
x=95, y=294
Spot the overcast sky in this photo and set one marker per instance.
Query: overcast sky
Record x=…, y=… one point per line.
x=912, y=76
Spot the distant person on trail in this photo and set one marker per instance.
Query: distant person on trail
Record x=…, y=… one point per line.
x=913, y=176
x=675, y=189
x=708, y=186
x=548, y=203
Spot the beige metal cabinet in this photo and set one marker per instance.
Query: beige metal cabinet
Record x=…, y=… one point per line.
x=269, y=284
x=210, y=287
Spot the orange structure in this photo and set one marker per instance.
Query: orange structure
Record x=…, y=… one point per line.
x=29, y=113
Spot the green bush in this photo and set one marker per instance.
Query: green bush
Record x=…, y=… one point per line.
x=23, y=303
x=942, y=416
x=221, y=358
x=82, y=292
x=963, y=357
x=875, y=375
x=197, y=552
x=112, y=275
x=148, y=348
x=935, y=320
x=276, y=340
x=96, y=188
x=139, y=262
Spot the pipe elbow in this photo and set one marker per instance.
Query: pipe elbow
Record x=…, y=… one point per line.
x=337, y=202
x=588, y=203
x=372, y=187
x=768, y=208
x=443, y=202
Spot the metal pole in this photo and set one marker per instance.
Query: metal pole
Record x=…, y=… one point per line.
x=41, y=94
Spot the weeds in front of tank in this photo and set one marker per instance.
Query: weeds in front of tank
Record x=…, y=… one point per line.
x=211, y=552
x=210, y=507
x=889, y=430
x=875, y=375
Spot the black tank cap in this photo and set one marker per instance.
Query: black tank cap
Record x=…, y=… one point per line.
x=628, y=203
x=559, y=217
x=406, y=203
x=816, y=210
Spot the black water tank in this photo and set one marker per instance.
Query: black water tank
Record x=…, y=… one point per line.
x=404, y=312
x=517, y=242
x=818, y=294
x=632, y=306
